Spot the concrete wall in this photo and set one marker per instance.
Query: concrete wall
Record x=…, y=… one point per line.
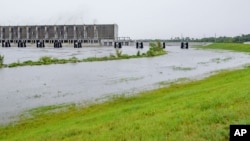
x=59, y=32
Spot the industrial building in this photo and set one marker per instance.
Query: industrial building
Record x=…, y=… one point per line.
x=67, y=35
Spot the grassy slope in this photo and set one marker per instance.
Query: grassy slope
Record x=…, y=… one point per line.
x=230, y=46
x=201, y=110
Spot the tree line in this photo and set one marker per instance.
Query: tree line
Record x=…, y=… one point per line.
x=237, y=39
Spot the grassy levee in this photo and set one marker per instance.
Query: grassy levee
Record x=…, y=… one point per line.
x=230, y=46
x=200, y=110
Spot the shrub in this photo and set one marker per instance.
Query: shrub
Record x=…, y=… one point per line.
x=54, y=60
x=73, y=60
x=155, y=49
x=62, y=61
x=125, y=56
x=138, y=53
x=1, y=61
x=15, y=64
x=150, y=52
x=111, y=56
x=38, y=63
x=90, y=59
x=46, y=60
x=118, y=53
x=29, y=62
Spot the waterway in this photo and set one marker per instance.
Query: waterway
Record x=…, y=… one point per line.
x=28, y=87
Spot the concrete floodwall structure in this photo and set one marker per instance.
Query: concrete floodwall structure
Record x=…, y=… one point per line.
x=90, y=35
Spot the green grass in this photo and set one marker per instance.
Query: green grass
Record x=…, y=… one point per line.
x=1, y=61
x=200, y=110
x=229, y=46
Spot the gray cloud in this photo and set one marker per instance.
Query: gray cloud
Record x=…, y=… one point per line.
x=136, y=18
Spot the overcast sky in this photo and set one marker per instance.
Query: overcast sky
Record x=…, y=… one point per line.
x=138, y=19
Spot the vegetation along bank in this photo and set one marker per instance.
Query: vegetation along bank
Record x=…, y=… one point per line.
x=199, y=110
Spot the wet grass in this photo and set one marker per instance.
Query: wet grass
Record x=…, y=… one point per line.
x=200, y=110
x=229, y=46
x=217, y=60
x=182, y=68
x=1, y=61
x=127, y=79
x=177, y=81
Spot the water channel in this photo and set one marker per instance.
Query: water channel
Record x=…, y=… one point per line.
x=28, y=87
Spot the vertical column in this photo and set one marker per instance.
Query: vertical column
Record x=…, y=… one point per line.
x=65, y=33
x=95, y=33
x=85, y=32
x=18, y=32
x=10, y=33
x=27, y=33
x=74, y=32
x=115, y=26
x=37, y=32
x=55, y=32
x=1, y=33
x=31, y=33
x=46, y=32
x=59, y=33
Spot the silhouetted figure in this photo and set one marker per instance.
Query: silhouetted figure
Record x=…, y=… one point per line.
x=115, y=45
x=137, y=45
x=3, y=44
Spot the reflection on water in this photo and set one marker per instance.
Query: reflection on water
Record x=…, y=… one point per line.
x=28, y=87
